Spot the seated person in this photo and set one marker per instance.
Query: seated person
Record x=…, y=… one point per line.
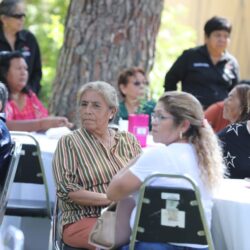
x=235, y=138
x=132, y=84
x=24, y=111
x=189, y=146
x=85, y=161
x=214, y=115
x=5, y=140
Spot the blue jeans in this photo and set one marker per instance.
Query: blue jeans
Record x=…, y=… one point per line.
x=158, y=246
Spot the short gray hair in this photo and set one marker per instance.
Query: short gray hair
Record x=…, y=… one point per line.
x=3, y=95
x=106, y=90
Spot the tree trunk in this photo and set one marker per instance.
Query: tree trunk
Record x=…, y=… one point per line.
x=103, y=37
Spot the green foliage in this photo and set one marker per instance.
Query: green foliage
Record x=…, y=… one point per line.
x=173, y=37
x=46, y=20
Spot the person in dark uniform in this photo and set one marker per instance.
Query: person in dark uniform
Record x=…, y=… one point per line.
x=208, y=72
x=14, y=37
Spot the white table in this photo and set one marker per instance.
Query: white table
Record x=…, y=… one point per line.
x=231, y=216
x=47, y=147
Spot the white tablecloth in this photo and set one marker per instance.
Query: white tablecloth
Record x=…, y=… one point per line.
x=47, y=146
x=231, y=216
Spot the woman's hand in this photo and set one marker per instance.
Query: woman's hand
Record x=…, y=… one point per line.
x=55, y=122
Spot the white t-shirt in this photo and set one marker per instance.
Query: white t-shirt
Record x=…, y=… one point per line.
x=177, y=158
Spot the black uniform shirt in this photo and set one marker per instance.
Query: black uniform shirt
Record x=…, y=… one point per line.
x=27, y=44
x=199, y=76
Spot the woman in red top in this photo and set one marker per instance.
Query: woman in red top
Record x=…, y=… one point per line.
x=24, y=111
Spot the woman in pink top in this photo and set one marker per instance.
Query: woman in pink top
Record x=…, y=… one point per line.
x=24, y=111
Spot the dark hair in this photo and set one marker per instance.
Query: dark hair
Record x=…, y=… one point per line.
x=5, y=60
x=125, y=74
x=8, y=7
x=217, y=23
x=243, y=93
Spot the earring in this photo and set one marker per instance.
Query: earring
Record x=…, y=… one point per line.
x=180, y=136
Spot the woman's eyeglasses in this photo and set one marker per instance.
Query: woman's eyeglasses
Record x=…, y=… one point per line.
x=17, y=15
x=137, y=83
x=158, y=117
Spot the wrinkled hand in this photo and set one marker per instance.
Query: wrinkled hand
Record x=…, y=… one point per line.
x=55, y=122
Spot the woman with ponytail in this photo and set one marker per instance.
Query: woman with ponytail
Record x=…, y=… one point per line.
x=189, y=146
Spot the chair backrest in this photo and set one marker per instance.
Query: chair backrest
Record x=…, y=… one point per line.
x=170, y=214
x=7, y=177
x=56, y=234
x=30, y=169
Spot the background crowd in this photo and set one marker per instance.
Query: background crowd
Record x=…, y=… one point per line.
x=96, y=164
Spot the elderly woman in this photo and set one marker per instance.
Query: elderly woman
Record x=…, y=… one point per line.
x=235, y=138
x=14, y=37
x=133, y=84
x=24, y=111
x=86, y=160
x=189, y=147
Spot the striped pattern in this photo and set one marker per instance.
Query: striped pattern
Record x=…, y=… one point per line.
x=81, y=161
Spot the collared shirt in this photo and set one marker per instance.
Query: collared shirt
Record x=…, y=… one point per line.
x=27, y=44
x=82, y=162
x=209, y=83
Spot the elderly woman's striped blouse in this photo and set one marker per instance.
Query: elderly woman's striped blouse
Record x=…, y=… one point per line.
x=81, y=161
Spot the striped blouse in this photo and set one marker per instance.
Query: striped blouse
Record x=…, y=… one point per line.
x=81, y=161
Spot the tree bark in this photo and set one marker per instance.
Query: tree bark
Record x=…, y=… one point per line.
x=102, y=37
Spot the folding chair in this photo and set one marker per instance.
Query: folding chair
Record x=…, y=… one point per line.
x=170, y=214
x=30, y=170
x=7, y=177
x=58, y=243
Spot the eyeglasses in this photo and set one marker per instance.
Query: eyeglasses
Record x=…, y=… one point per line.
x=17, y=15
x=137, y=83
x=159, y=117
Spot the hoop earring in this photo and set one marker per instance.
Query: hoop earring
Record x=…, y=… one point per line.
x=180, y=136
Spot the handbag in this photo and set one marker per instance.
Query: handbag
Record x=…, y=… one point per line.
x=112, y=228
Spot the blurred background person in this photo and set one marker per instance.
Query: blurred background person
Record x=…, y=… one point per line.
x=5, y=140
x=209, y=71
x=85, y=161
x=214, y=113
x=24, y=111
x=235, y=138
x=14, y=37
x=133, y=87
x=189, y=146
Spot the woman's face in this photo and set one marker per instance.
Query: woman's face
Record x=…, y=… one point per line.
x=164, y=129
x=218, y=41
x=17, y=75
x=15, y=22
x=232, y=108
x=136, y=87
x=95, y=112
